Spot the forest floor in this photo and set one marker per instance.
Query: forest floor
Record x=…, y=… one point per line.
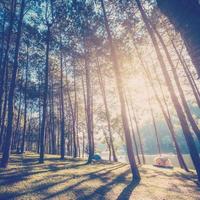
x=72, y=179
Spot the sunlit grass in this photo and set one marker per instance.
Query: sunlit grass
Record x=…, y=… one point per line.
x=72, y=179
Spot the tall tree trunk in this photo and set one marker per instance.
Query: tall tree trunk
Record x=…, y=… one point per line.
x=186, y=131
x=167, y=118
x=75, y=139
x=30, y=139
x=6, y=53
x=154, y=125
x=74, y=146
x=103, y=92
x=108, y=145
x=92, y=112
x=62, y=124
x=3, y=117
x=166, y=115
x=132, y=130
x=138, y=133
x=39, y=119
x=8, y=138
x=191, y=77
x=181, y=93
x=25, y=102
x=53, y=135
x=88, y=106
x=116, y=68
x=45, y=93
x=2, y=37
x=188, y=75
x=85, y=106
x=17, y=129
x=77, y=130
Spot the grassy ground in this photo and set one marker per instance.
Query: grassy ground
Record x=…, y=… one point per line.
x=72, y=179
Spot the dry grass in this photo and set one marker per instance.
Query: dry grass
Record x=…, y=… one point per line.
x=72, y=179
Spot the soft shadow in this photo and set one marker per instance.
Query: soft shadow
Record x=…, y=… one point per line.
x=127, y=191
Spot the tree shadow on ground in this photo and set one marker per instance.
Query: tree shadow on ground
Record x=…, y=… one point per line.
x=127, y=191
x=99, y=192
x=26, y=170
x=111, y=185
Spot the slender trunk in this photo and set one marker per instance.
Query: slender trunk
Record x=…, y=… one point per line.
x=50, y=121
x=92, y=113
x=17, y=130
x=168, y=120
x=77, y=131
x=30, y=136
x=2, y=130
x=73, y=123
x=5, y=59
x=192, y=78
x=188, y=75
x=155, y=127
x=39, y=119
x=132, y=130
x=108, y=145
x=138, y=133
x=83, y=145
x=166, y=115
x=8, y=138
x=88, y=106
x=42, y=135
x=116, y=68
x=75, y=137
x=62, y=124
x=59, y=127
x=181, y=93
x=25, y=103
x=53, y=135
x=103, y=92
x=186, y=131
x=2, y=38
x=85, y=106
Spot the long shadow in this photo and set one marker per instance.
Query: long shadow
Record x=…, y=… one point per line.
x=40, y=188
x=127, y=191
x=9, y=176
x=27, y=169
x=91, y=176
x=21, y=175
x=103, y=190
